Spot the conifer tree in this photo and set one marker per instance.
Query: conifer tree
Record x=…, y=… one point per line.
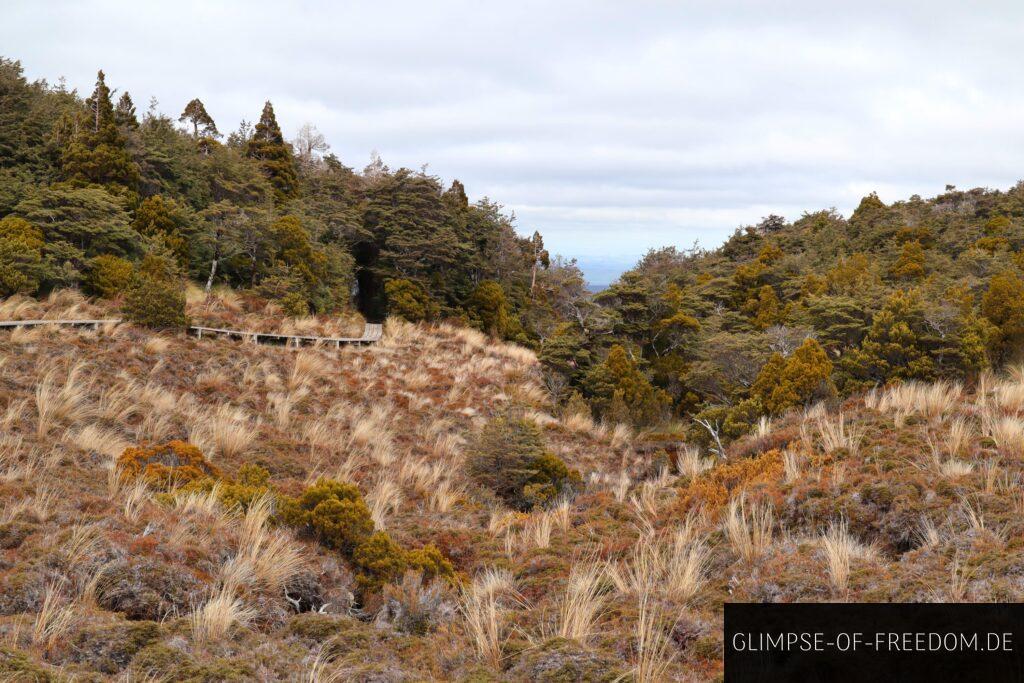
x=618, y=385
x=1003, y=306
x=124, y=114
x=267, y=147
x=911, y=263
x=96, y=152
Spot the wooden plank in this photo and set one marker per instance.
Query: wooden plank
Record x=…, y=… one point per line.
x=371, y=333
x=31, y=323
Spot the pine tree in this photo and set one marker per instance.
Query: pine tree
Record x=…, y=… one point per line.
x=910, y=266
x=96, y=152
x=267, y=147
x=124, y=114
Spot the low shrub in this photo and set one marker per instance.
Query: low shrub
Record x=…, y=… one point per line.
x=333, y=511
x=166, y=465
x=109, y=276
x=509, y=458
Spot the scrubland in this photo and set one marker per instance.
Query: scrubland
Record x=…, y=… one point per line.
x=109, y=571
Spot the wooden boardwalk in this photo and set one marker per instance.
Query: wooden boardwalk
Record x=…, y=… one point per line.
x=371, y=333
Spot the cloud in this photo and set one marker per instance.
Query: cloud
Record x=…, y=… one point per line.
x=610, y=127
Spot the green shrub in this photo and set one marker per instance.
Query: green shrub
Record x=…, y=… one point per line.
x=509, y=458
x=333, y=511
x=156, y=297
x=21, y=261
x=430, y=562
x=379, y=560
x=109, y=276
x=409, y=300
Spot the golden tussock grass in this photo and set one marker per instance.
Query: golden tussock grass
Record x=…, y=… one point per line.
x=840, y=548
x=484, y=605
x=838, y=434
x=60, y=401
x=653, y=653
x=749, y=528
x=54, y=619
x=583, y=602
x=218, y=615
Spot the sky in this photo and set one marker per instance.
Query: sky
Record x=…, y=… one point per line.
x=610, y=127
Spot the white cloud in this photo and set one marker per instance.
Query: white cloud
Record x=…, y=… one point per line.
x=611, y=127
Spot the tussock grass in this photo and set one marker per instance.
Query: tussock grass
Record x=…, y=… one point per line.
x=583, y=601
x=690, y=463
x=836, y=434
x=218, y=615
x=228, y=431
x=749, y=528
x=93, y=438
x=60, y=401
x=1008, y=434
x=53, y=620
x=484, y=608
x=840, y=548
x=654, y=653
x=383, y=500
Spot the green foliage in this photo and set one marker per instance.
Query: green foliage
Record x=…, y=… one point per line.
x=911, y=264
x=430, y=562
x=509, y=458
x=1003, y=306
x=21, y=256
x=88, y=218
x=156, y=297
x=489, y=309
x=268, y=148
x=802, y=378
x=109, y=276
x=96, y=151
x=619, y=383
x=161, y=217
x=378, y=560
x=409, y=300
x=333, y=511
x=166, y=465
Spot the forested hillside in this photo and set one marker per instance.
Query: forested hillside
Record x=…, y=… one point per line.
x=96, y=194
x=126, y=206
x=787, y=314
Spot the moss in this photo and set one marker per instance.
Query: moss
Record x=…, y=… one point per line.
x=18, y=668
x=110, y=647
x=146, y=588
x=172, y=664
x=563, y=661
x=318, y=628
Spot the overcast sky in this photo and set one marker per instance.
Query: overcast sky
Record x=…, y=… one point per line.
x=609, y=127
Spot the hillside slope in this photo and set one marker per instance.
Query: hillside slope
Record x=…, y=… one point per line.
x=908, y=494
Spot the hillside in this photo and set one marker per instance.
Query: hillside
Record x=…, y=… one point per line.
x=909, y=494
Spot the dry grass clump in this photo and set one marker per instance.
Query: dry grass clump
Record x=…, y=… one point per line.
x=266, y=555
x=93, y=438
x=583, y=602
x=60, y=401
x=749, y=529
x=54, y=618
x=1007, y=432
x=931, y=400
x=227, y=431
x=690, y=463
x=218, y=615
x=840, y=548
x=383, y=500
x=484, y=604
x=836, y=434
x=654, y=651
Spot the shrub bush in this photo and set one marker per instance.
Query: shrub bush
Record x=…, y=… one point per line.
x=509, y=458
x=409, y=300
x=166, y=465
x=379, y=560
x=109, y=276
x=333, y=511
x=156, y=297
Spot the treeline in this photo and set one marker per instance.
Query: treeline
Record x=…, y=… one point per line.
x=786, y=314
x=94, y=194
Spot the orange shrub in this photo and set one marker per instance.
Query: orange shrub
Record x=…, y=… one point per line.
x=166, y=465
x=713, y=489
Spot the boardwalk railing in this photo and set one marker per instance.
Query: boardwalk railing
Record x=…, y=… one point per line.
x=371, y=333
x=70, y=323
